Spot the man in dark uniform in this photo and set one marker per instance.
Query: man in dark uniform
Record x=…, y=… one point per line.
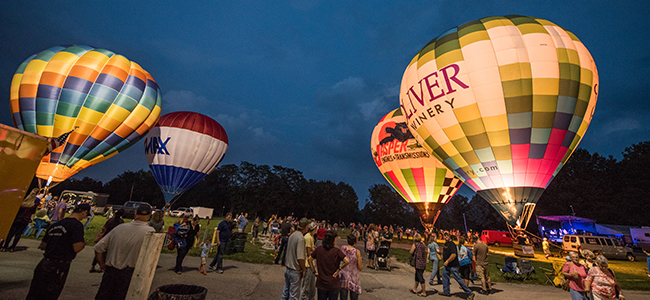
x=223, y=232
x=62, y=242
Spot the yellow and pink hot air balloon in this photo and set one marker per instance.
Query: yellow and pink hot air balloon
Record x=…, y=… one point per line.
x=423, y=181
x=109, y=101
x=502, y=102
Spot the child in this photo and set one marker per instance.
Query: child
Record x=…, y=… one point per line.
x=255, y=229
x=205, y=250
x=276, y=244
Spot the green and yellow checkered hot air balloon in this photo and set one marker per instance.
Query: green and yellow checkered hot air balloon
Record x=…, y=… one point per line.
x=423, y=181
x=502, y=102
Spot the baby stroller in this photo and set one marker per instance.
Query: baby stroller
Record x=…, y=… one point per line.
x=381, y=257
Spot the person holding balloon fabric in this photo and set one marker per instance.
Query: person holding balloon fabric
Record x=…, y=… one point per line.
x=190, y=234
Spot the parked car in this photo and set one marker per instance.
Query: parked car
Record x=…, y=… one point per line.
x=611, y=248
x=182, y=212
x=496, y=237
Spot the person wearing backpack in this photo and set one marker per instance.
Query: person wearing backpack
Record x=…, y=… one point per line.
x=434, y=252
x=465, y=258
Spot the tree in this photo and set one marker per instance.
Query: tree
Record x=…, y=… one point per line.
x=83, y=185
x=135, y=186
x=385, y=206
x=451, y=216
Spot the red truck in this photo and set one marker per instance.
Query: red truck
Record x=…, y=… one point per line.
x=496, y=237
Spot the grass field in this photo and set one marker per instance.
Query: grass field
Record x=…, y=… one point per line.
x=253, y=252
x=631, y=275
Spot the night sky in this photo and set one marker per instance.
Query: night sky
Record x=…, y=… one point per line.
x=301, y=83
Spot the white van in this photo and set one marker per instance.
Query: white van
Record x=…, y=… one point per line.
x=611, y=248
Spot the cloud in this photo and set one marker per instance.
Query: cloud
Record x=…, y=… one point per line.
x=182, y=101
x=345, y=115
x=246, y=129
x=350, y=83
x=622, y=124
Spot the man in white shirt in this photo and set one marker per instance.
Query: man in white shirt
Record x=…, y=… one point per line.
x=117, y=254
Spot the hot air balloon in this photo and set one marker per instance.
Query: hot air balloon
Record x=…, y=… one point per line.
x=422, y=180
x=95, y=101
x=502, y=102
x=183, y=148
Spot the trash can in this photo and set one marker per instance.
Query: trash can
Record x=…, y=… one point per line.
x=240, y=241
x=179, y=292
x=230, y=246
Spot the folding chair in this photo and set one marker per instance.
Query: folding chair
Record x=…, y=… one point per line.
x=549, y=274
x=39, y=226
x=527, y=270
x=509, y=269
x=557, y=269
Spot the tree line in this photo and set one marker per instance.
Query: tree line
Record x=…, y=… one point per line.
x=595, y=187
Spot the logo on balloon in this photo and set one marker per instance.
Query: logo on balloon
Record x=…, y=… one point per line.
x=434, y=90
x=155, y=145
x=396, y=140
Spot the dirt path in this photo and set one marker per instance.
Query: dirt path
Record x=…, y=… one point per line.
x=240, y=280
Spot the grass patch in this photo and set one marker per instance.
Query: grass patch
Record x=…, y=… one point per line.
x=630, y=275
x=253, y=252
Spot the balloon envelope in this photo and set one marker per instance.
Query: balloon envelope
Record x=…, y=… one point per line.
x=502, y=102
x=423, y=181
x=111, y=101
x=183, y=148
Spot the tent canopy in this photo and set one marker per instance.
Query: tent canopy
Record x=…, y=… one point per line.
x=567, y=219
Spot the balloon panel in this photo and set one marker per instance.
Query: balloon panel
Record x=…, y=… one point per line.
x=183, y=148
x=502, y=101
x=414, y=173
x=110, y=101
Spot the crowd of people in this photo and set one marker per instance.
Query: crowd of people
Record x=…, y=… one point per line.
x=306, y=248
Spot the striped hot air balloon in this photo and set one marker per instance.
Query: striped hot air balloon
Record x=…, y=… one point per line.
x=422, y=180
x=502, y=102
x=109, y=101
x=183, y=148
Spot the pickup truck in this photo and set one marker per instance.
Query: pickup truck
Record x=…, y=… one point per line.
x=129, y=208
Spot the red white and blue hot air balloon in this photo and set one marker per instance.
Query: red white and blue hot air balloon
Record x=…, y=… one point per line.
x=183, y=148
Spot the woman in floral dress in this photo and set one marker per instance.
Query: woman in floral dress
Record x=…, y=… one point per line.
x=601, y=281
x=349, y=276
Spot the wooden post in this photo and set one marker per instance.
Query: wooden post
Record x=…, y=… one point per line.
x=145, y=268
